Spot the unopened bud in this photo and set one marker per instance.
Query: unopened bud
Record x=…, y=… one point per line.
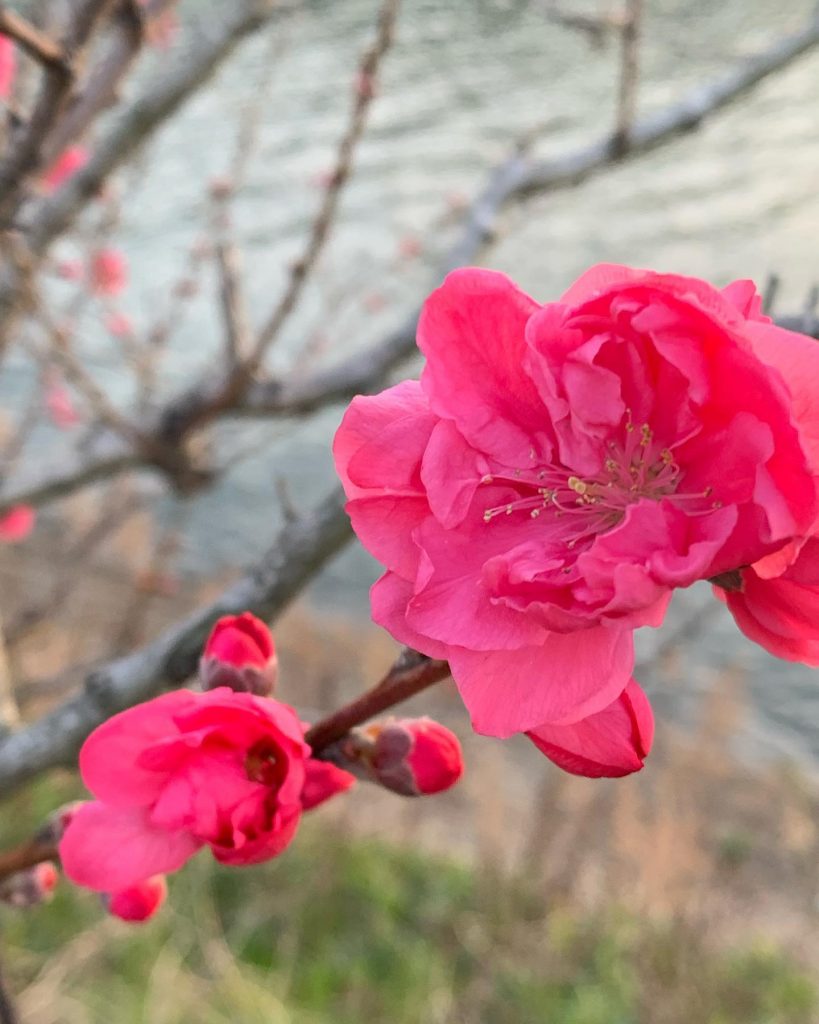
x=139, y=902
x=240, y=653
x=31, y=886
x=410, y=756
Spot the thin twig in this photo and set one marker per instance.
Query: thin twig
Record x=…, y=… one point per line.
x=410, y=674
x=629, y=74
x=34, y=42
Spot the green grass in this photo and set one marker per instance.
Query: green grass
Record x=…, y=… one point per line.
x=341, y=930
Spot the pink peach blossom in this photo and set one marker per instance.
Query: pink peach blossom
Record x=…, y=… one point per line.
x=219, y=769
x=64, y=167
x=8, y=66
x=560, y=469
x=608, y=744
x=17, y=523
x=108, y=272
x=322, y=781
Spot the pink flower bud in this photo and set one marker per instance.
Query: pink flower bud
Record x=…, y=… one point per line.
x=119, y=324
x=609, y=744
x=70, y=270
x=365, y=85
x=60, y=407
x=8, y=67
x=240, y=653
x=64, y=167
x=138, y=903
x=414, y=756
x=16, y=524
x=108, y=272
x=29, y=887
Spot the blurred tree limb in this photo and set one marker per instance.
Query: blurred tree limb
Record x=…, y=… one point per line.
x=516, y=180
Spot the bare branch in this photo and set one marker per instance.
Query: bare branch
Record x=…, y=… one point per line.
x=234, y=311
x=27, y=155
x=34, y=42
x=299, y=551
x=629, y=74
x=410, y=674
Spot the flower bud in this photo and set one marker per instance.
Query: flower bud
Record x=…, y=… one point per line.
x=412, y=756
x=17, y=523
x=31, y=886
x=240, y=653
x=139, y=902
x=108, y=272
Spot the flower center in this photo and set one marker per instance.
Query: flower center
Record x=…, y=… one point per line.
x=636, y=469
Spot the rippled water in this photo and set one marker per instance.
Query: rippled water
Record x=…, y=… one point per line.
x=464, y=82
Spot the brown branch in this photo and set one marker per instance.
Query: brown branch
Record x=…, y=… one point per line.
x=26, y=856
x=34, y=42
x=629, y=75
x=205, y=402
x=410, y=674
x=234, y=312
x=26, y=156
x=298, y=552
x=100, y=91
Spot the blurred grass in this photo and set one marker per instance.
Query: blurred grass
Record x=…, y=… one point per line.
x=341, y=930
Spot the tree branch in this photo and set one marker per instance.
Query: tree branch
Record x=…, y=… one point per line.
x=299, y=551
x=34, y=42
x=410, y=674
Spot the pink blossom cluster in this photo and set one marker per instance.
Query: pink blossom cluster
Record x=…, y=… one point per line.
x=560, y=469
x=225, y=768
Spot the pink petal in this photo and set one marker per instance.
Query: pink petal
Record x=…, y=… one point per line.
x=109, y=758
x=389, y=597
x=568, y=677
x=472, y=332
x=363, y=427
x=796, y=357
x=384, y=525
x=108, y=849
x=322, y=781
x=611, y=743
x=17, y=523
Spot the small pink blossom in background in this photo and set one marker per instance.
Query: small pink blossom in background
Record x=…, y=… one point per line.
x=119, y=324
x=410, y=247
x=559, y=469
x=139, y=902
x=108, y=272
x=162, y=31
x=64, y=167
x=70, y=270
x=240, y=653
x=374, y=302
x=324, y=179
x=60, y=406
x=611, y=743
x=8, y=66
x=17, y=523
x=414, y=756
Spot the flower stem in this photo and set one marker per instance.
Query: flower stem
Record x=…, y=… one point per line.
x=410, y=674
